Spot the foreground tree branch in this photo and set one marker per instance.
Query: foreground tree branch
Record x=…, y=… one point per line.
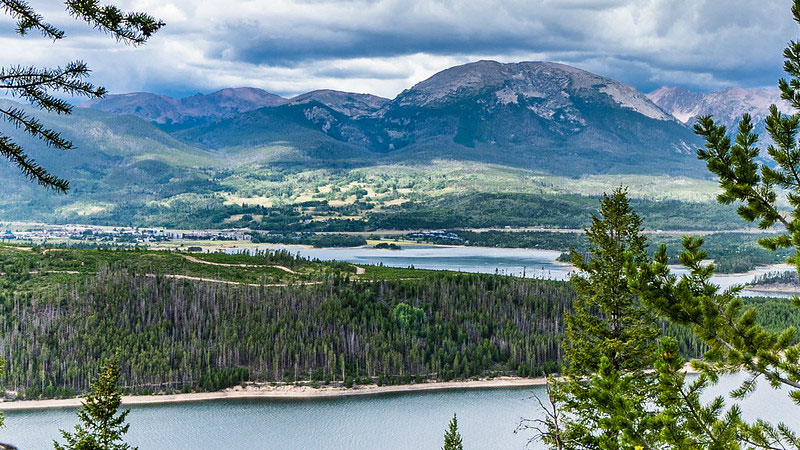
x=41, y=86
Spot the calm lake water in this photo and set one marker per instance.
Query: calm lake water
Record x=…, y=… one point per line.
x=487, y=419
x=507, y=261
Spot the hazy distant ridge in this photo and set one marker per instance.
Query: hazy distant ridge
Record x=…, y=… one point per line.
x=726, y=106
x=165, y=110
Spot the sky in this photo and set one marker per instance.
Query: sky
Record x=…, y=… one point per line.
x=384, y=46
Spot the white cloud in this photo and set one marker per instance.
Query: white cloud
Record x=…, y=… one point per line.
x=383, y=47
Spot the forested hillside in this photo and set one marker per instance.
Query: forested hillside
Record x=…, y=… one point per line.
x=391, y=326
x=204, y=322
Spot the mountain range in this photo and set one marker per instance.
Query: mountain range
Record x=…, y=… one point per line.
x=167, y=111
x=539, y=117
x=726, y=106
x=535, y=115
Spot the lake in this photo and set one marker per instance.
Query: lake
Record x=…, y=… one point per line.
x=487, y=420
x=507, y=261
x=531, y=263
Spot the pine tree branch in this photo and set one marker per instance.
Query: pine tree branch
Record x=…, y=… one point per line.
x=33, y=127
x=29, y=167
x=27, y=19
x=132, y=28
x=689, y=404
x=744, y=438
x=32, y=83
x=36, y=85
x=772, y=375
x=737, y=186
x=691, y=259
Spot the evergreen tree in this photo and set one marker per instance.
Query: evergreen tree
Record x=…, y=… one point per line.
x=608, y=320
x=2, y=417
x=677, y=417
x=41, y=86
x=610, y=339
x=100, y=427
x=452, y=438
x=736, y=341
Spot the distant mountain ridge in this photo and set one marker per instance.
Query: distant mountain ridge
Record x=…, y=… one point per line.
x=540, y=115
x=535, y=115
x=726, y=106
x=536, y=79
x=165, y=110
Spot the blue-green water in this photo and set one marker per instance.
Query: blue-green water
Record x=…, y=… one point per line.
x=487, y=419
x=531, y=263
x=507, y=261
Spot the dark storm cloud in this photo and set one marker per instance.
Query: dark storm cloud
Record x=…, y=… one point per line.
x=384, y=46
x=291, y=50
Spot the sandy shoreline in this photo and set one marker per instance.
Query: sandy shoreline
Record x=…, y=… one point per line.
x=781, y=288
x=284, y=392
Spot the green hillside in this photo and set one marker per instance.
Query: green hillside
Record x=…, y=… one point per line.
x=203, y=322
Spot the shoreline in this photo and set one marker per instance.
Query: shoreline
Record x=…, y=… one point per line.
x=777, y=288
x=285, y=392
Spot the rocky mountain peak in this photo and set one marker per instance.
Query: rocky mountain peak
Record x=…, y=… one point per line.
x=348, y=103
x=727, y=106
x=552, y=83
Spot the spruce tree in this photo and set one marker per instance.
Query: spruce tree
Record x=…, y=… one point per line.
x=2, y=417
x=41, y=86
x=735, y=340
x=452, y=438
x=759, y=188
x=101, y=427
x=610, y=338
x=599, y=406
x=607, y=319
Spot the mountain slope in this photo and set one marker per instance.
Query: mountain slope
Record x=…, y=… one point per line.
x=347, y=103
x=726, y=106
x=193, y=110
x=539, y=115
x=546, y=81
x=536, y=115
x=314, y=132
x=116, y=159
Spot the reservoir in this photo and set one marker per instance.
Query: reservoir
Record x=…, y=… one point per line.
x=487, y=419
x=531, y=263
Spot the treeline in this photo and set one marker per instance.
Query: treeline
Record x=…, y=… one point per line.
x=547, y=240
x=767, y=279
x=181, y=335
x=255, y=256
x=209, y=212
x=561, y=211
x=177, y=334
x=731, y=252
x=478, y=210
x=315, y=240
